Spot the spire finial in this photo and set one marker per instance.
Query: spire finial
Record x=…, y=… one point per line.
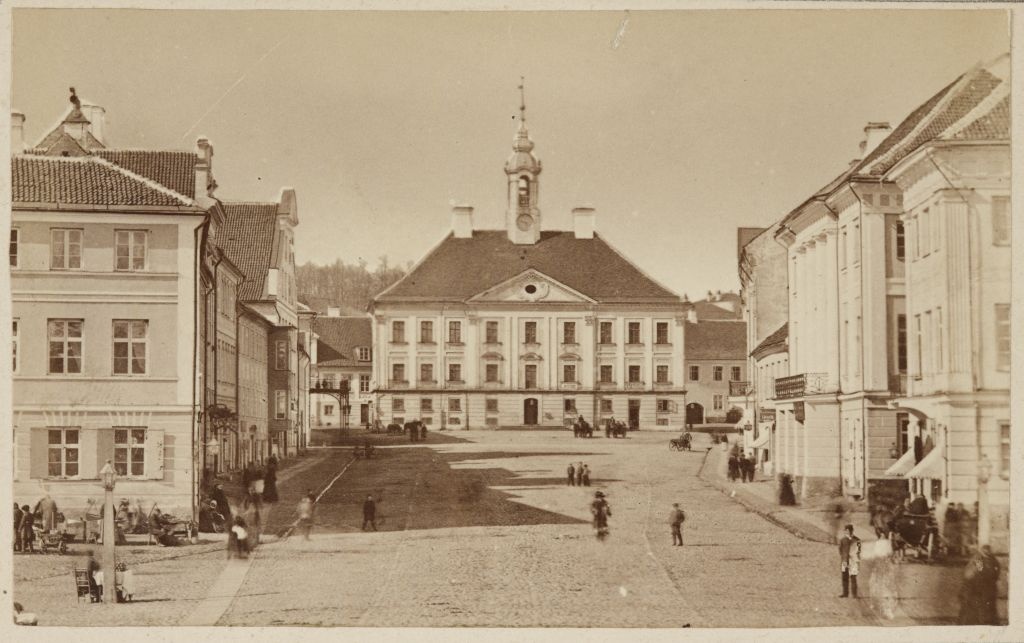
x=522, y=99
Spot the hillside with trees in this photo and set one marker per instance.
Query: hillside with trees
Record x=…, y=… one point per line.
x=348, y=286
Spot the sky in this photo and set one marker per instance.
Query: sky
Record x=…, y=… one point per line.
x=678, y=127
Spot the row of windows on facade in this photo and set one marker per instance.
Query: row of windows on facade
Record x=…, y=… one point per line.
x=63, y=453
x=130, y=341
x=398, y=405
x=492, y=334
x=606, y=373
x=329, y=380
x=130, y=249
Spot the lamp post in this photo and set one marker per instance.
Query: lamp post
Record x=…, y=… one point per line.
x=686, y=411
x=109, y=476
x=984, y=526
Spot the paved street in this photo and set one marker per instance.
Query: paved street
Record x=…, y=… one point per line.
x=482, y=530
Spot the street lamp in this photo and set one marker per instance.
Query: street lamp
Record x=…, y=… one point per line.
x=109, y=477
x=984, y=473
x=686, y=411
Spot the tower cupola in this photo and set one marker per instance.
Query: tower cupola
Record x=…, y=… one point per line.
x=522, y=219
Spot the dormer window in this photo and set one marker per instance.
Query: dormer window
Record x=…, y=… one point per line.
x=524, y=191
x=363, y=354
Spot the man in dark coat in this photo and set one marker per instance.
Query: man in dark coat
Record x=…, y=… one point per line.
x=733, y=467
x=369, y=513
x=17, y=527
x=423, y=432
x=979, y=594
x=223, y=506
x=571, y=472
x=849, y=561
x=675, y=520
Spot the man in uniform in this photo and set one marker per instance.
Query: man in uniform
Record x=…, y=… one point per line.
x=849, y=561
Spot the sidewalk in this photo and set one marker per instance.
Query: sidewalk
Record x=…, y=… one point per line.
x=899, y=594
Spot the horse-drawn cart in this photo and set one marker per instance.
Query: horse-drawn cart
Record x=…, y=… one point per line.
x=681, y=443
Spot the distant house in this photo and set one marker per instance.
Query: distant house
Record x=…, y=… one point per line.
x=344, y=354
x=715, y=368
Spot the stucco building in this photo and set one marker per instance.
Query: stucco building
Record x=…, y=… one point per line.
x=344, y=355
x=524, y=326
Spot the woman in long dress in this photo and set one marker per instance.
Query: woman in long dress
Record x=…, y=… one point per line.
x=601, y=510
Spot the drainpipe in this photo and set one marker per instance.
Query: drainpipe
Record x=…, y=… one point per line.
x=199, y=244
x=216, y=314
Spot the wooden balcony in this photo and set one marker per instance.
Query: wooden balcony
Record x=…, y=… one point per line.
x=738, y=388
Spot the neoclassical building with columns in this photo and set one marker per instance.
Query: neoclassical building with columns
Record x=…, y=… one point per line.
x=527, y=327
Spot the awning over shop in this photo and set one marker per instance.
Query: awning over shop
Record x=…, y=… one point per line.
x=902, y=466
x=761, y=441
x=932, y=465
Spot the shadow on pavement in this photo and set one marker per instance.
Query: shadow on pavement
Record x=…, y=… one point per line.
x=423, y=489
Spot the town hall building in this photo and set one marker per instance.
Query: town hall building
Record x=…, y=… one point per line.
x=527, y=327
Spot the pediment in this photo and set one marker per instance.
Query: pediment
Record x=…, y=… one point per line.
x=531, y=286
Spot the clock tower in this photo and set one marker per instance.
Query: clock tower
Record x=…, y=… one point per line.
x=522, y=219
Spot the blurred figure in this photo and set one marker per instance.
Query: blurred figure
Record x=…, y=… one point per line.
x=951, y=529
x=787, y=497
x=48, y=508
x=21, y=617
x=17, y=527
x=305, y=523
x=369, y=513
x=979, y=594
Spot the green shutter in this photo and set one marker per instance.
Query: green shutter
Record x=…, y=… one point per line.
x=37, y=453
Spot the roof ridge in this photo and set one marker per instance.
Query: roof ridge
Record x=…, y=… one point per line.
x=230, y=202
x=144, y=180
x=143, y=149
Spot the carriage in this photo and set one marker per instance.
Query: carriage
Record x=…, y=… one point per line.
x=615, y=429
x=582, y=429
x=916, y=532
x=681, y=443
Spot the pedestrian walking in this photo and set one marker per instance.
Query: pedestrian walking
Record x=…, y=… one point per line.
x=223, y=506
x=601, y=511
x=586, y=475
x=951, y=529
x=787, y=497
x=91, y=567
x=423, y=432
x=239, y=538
x=733, y=467
x=849, y=561
x=571, y=472
x=369, y=513
x=28, y=535
x=17, y=527
x=48, y=509
x=305, y=522
x=270, y=481
x=979, y=593
x=579, y=474
x=675, y=519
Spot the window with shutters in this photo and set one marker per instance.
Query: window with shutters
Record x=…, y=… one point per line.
x=131, y=341
x=130, y=250
x=62, y=453
x=664, y=406
x=65, y=345
x=130, y=451
x=65, y=249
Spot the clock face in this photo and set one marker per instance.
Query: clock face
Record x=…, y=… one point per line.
x=524, y=222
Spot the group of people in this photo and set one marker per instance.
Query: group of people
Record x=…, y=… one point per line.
x=959, y=529
x=578, y=475
x=741, y=467
x=417, y=431
x=45, y=514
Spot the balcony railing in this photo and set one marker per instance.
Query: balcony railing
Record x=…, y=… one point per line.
x=800, y=385
x=737, y=389
x=898, y=383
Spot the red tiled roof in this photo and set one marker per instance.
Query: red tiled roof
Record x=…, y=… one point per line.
x=176, y=170
x=247, y=237
x=773, y=341
x=340, y=337
x=716, y=340
x=461, y=268
x=84, y=181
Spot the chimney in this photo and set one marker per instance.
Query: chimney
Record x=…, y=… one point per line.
x=583, y=222
x=204, y=169
x=97, y=121
x=17, y=132
x=691, y=315
x=874, y=133
x=462, y=221
x=333, y=311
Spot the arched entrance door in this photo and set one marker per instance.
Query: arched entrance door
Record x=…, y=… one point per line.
x=694, y=413
x=530, y=410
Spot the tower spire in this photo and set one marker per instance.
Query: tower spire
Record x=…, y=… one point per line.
x=522, y=99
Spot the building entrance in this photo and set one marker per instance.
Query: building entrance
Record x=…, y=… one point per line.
x=530, y=410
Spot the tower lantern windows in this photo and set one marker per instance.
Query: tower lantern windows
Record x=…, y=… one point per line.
x=524, y=191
